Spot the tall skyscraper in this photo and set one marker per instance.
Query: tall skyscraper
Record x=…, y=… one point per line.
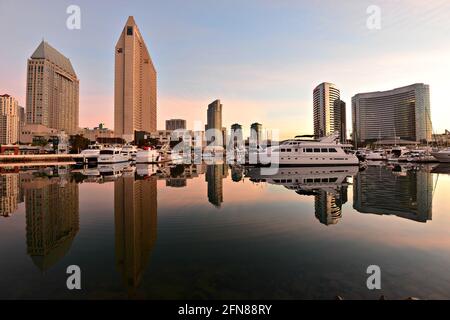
x=399, y=113
x=9, y=119
x=175, y=124
x=52, y=90
x=256, y=133
x=327, y=113
x=134, y=84
x=236, y=136
x=214, y=122
x=341, y=114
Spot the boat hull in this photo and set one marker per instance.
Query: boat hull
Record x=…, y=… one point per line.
x=441, y=156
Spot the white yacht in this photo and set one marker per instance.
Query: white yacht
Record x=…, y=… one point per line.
x=398, y=154
x=112, y=155
x=111, y=172
x=88, y=155
x=129, y=151
x=148, y=156
x=322, y=152
x=442, y=156
x=376, y=155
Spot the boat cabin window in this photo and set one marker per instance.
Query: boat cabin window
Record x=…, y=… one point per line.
x=324, y=150
x=316, y=150
x=106, y=152
x=332, y=150
x=308, y=150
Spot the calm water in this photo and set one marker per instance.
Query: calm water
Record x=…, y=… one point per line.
x=213, y=232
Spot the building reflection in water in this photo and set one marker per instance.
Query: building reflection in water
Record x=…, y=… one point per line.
x=328, y=185
x=215, y=173
x=328, y=204
x=237, y=173
x=135, y=214
x=181, y=173
x=52, y=217
x=9, y=191
x=404, y=193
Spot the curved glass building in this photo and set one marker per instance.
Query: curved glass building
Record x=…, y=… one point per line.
x=402, y=113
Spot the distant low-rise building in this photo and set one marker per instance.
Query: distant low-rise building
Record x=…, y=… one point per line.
x=36, y=132
x=98, y=132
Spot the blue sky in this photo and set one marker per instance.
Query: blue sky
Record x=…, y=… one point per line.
x=261, y=58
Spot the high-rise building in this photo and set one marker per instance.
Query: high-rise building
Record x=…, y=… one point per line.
x=256, y=133
x=236, y=136
x=328, y=116
x=9, y=119
x=52, y=90
x=341, y=125
x=402, y=113
x=175, y=124
x=214, y=122
x=22, y=120
x=134, y=84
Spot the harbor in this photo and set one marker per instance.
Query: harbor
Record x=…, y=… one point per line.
x=237, y=219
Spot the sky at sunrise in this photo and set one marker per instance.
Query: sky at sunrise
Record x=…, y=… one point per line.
x=261, y=58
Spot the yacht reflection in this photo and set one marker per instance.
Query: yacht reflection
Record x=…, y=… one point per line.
x=403, y=192
x=52, y=217
x=111, y=172
x=328, y=185
x=215, y=173
x=135, y=214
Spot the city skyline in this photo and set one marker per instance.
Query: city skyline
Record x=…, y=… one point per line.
x=362, y=60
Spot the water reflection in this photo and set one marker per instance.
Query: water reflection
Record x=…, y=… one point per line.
x=328, y=186
x=52, y=216
x=9, y=191
x=135, y=220
x=329, y=195
x=215, y=174
x=403, y=192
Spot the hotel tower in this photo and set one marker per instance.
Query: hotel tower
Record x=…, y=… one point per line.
x=401, y=113
x=329, y=111
x=135, y=85
x=52, y=90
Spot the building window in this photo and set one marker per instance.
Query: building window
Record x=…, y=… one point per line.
x=129, y=31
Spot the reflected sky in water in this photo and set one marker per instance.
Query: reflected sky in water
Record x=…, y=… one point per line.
x=219, y=231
